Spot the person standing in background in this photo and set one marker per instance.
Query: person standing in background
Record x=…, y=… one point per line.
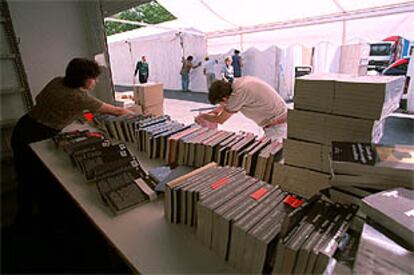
x=185, y=72
x=227, y=72
x=142, y=69
x=208, y=70
x=237, y=63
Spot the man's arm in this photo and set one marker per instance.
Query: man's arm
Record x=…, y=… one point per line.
x=213, y=116
x=195, y=66
x=113, y=110
x=136, y=69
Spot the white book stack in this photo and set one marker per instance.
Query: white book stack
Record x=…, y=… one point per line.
x=333, y=107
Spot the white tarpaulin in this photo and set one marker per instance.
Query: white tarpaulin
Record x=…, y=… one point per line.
x=273, y=36
x=162, y=48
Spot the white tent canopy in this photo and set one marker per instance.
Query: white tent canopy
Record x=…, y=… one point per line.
x=274, y=36
x=212, y=16
x=245, y=23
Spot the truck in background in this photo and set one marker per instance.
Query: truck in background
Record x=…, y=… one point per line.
x=389, y=50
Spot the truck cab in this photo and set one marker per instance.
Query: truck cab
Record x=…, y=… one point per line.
x=384, y=53
x=381, y=55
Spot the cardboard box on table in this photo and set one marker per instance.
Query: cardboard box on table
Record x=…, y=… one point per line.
x=150, y=96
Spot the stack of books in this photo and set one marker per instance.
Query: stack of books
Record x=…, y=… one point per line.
x=363, y=169
x=392, y=213
x=119, y=177
x=332, y=107
x=370, y=165
x=119, y=127
x=192, y=145
x=198, y=146
x=256, y=226
x=309, y=246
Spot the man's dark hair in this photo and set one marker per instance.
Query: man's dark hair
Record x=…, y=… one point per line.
x=190, y=57
x=236, y=51
x=79, y=70
x=218, y=90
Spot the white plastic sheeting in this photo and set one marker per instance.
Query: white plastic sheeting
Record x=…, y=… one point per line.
x=212, y=16
x=163, y=51
x=274, y=37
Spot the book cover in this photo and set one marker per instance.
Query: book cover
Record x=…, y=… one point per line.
x=395, y=156
x=394, y=210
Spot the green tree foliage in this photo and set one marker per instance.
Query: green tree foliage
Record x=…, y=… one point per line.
x=150, y=13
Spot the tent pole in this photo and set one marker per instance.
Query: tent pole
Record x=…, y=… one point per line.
x=241, y=42
x=343, y=32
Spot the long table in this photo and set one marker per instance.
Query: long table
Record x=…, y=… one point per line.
x=142, y=236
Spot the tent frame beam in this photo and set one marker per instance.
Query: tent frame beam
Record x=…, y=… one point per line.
x=331, y=18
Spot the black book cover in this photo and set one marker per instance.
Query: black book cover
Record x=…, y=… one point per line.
x=391, y=156
x=394, y=210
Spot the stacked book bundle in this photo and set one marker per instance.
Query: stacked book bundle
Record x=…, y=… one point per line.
x=242, y=219
x=309, y=246
x=392, y=213
x=362, y=169
x=370, y=165
x=120, y=179
x=332, y=107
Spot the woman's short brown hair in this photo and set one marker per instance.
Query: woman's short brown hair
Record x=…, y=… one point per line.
x=218, y=90
x=79, y=70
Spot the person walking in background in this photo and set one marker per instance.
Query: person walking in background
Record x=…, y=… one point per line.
x=208, y=70
x=227, y=72
x=142, y=70
x=237, y=63
x=185, y=71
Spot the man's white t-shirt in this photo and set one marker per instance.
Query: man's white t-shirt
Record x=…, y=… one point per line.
x=255, y=99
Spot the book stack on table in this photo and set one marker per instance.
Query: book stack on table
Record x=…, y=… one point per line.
x=363, y=169
x=117, y=174
x=243, y=219
x=332, y=107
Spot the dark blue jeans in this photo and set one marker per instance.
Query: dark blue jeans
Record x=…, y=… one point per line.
x=185, y=82
x=30, y=172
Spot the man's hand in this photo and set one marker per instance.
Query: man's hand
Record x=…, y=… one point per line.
x=198, y=119
x=218, y=115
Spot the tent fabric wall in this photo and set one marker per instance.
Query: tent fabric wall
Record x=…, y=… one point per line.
x=163, y=52
x=271, y=55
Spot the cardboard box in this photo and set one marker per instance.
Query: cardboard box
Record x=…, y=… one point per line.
x=156, y=110
x=136, y=109
x=149, y=94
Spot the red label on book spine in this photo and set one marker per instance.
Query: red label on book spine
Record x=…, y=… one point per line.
x=219, y=183
x=88, y=116
x=292, y=201
x=258, y=194
x=94, y=134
